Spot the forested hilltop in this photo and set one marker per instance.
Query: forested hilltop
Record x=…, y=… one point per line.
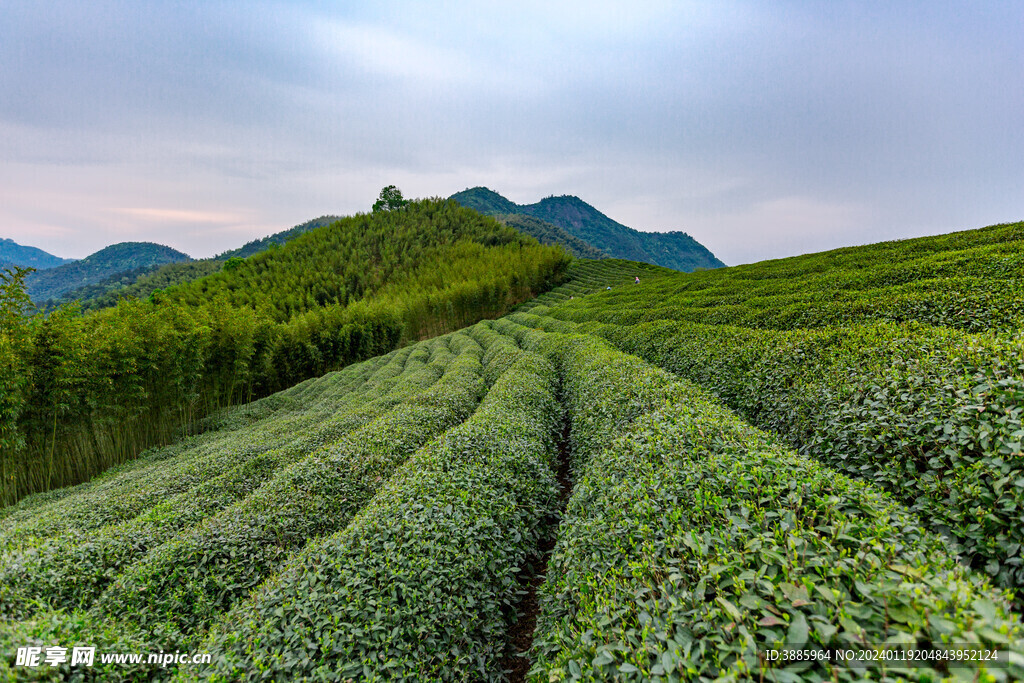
x=676, y=250
x=618, y=481
x=83, y=392
x=140, y=283
x=44, y=285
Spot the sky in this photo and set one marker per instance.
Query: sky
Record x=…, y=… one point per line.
x=763, y=129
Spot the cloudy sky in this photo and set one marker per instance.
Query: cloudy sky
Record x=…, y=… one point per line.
x=763, y=129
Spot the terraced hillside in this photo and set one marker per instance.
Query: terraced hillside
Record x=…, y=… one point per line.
x=80, y=393
x=902, y=363
x=142, y=283
x=600, y=486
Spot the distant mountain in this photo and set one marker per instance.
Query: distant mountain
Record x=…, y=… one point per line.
x=486, y=201
x=493, y=204
x=14, y=254
x=670, y=249
x=52, y=283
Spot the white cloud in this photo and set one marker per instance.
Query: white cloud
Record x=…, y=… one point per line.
x=178, y=216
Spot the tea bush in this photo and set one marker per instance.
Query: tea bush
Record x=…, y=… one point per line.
x=124, y=492
x=67, y=572
x=933, y=415
x=693, y=541
x=423, y=583
x=189, y=580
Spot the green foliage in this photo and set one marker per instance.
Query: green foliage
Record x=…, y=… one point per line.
x=232, y=264
x=349, y=260
x=143, y=283
x=693, y=542
x=143, y=504
x=136, y=284
x=420, y=584
x=377, y=523
x=99, y=289
x=485, y=201
x=546, y=233
x=390, y=199
x=931, y=414
x=15, y=347
x=969, y=280
x=55, y=558
x=277, y=239
x=195, y=576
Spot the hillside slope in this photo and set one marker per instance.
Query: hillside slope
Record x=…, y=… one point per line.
x=546, y=233
x=899, y=362
x=675, y=250
x=585, y=489
x=278, y=238
x=140, y=283
x=967, y=280
x=493, y=204
x=117, y=258
x=14, y=254
x=93, y=390
x=352, y=258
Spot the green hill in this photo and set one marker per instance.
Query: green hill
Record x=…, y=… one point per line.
x=897, y=362
x=88, y=391
x=50, y=284
x=349, y=259
x=140, y=283
x=486, y=201
x=602, y=485
x=14, y=254
x=493, y=204
x=675, y=250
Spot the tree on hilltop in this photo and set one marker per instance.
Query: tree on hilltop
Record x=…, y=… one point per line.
x=390, y=199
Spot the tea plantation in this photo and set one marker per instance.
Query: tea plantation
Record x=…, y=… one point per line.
x=668, y=481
